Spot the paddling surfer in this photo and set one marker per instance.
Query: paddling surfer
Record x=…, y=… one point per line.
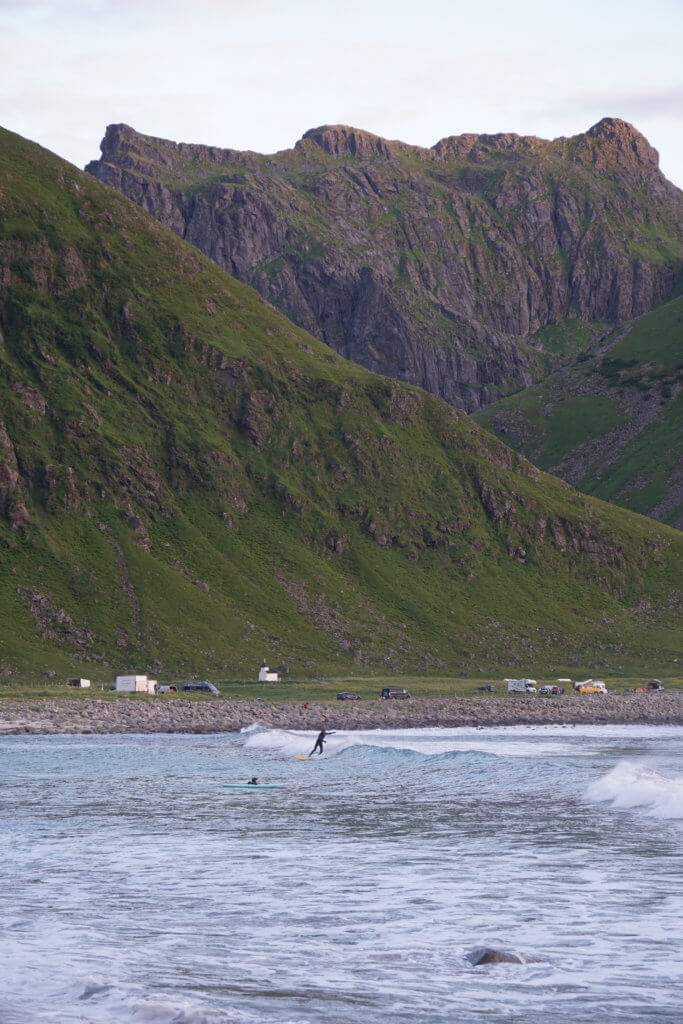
x=253, y=781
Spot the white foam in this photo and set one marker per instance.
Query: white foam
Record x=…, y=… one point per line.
x=632, y=784
x=428, y=742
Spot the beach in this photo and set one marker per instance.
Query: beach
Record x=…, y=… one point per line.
x=161, y=715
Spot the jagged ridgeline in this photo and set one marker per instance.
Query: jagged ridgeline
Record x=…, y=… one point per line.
x=442, y=267
x=187, y=480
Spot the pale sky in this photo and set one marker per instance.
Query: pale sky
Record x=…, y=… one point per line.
x=256, y=74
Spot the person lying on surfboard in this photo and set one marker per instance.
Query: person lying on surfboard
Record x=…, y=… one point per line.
x=253, y=781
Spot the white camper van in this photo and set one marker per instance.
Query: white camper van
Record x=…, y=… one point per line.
x=135, y=684
x=521, y=685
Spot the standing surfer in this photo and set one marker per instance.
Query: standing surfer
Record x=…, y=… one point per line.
x=319, y=743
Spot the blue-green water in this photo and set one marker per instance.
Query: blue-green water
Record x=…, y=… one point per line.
x=136, y=888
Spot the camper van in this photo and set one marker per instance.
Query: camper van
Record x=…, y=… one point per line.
x=521, y=685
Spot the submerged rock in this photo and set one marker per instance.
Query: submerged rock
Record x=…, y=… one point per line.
x=486, y=955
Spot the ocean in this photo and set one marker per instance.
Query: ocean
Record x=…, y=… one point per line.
x=136, y=888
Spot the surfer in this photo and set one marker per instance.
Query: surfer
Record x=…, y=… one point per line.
x=253, y=781
x=319, y=743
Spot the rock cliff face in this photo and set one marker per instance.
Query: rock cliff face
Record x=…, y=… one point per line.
x=434, y=266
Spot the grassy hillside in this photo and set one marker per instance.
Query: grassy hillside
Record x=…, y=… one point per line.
x=189, y=483
x=612, y=424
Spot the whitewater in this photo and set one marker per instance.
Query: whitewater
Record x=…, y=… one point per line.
x=135, y=887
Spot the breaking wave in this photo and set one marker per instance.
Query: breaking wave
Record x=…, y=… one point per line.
x=634, y=785
x=422, y=742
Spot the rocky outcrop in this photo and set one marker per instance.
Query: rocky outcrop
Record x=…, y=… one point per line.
x=485, y=955
x=434, y=266
x=12, y=502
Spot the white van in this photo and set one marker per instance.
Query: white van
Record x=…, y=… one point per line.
x=521, y=685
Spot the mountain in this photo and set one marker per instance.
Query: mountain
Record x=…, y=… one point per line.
x=610, y=424
x=189, y=483
x=441, y=267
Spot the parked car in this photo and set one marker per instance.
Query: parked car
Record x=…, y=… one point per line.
x=394, y=693
x=201, y=688
x=347, y=695
x=551, y=691
x=486, y=689
x=166, y=689
x=655, y=684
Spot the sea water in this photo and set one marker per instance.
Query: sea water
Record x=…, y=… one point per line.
x=135, y=888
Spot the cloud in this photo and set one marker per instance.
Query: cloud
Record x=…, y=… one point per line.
x=645, y=103
x=63, y=9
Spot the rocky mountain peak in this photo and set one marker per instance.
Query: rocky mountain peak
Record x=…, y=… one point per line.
x=468, y=146
x=117, y=137
x=624, y=142
x=435, y=266
x=342, y=140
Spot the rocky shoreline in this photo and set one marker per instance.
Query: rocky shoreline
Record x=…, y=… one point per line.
x=70, y=716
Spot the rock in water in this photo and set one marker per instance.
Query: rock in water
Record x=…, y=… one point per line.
x=486, y=955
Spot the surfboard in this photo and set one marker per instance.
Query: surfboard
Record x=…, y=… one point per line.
x=248, y=785
x=301, y=757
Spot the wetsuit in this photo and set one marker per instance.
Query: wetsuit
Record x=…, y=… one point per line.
x=319, y=743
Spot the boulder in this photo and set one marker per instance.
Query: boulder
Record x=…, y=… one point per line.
x=487, y=955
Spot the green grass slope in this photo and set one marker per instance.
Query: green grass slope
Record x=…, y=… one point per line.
x=189, y=483
x=611, y=424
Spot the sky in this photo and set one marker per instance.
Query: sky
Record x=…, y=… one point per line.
x=257, y=74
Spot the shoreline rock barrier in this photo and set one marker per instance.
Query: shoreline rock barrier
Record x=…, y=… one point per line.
x=43, y=716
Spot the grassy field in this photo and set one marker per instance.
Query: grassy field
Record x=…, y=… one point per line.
x=317, y=690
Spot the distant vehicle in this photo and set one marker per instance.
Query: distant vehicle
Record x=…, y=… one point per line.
x=201, y=688
x=166, y=689
x=486, y=689
x=551, y=691
x=521, y=685
x=654, y=684
x=394, y=693
x=347, y=695
x=590, y=686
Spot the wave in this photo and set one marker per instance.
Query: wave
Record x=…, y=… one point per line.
x=631, y=784
x=430, y=743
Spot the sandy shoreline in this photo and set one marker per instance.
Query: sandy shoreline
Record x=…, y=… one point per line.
x=53, y=716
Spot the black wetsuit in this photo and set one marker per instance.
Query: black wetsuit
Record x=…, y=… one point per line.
x=319, y=743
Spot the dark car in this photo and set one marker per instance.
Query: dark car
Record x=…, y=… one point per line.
x=655, y=684
x=347, y=695
x=201, y=688
x=486, y=689
x=394, y=693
